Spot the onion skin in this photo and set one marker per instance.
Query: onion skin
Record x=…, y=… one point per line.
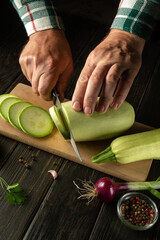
x=106, y=189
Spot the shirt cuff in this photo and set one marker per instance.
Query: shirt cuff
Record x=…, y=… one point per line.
x=38, y=15
x=137, y=17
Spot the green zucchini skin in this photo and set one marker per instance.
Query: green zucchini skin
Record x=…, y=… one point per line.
x=99, y=126
x=132, y=148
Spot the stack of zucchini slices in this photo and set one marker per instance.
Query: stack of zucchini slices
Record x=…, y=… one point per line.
x=25, y=116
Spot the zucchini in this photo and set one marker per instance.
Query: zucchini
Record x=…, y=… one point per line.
x=35, y=121
x=58, y=122
x=131, y=148
x=6, y=95
x=14, y=111
x=95, y=127
x=5, y=105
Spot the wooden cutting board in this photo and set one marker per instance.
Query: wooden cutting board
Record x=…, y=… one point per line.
x=55, y=144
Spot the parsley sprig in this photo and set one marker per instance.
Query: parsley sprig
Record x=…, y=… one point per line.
x=14, y=193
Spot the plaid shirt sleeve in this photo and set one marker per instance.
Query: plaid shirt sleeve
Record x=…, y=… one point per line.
x=137, y=17
x=37, y=15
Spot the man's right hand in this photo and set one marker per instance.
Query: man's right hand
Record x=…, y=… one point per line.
x=46, y=61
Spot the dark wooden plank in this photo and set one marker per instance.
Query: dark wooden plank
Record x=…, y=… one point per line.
x=108, y=226
x=7, y=146
x=13, y=37
x=62, y=215
x=9, y=55
x=148, y=111
x=14, y=220
x=144, y=94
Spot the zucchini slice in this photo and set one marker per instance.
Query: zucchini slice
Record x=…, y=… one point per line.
x=55, y=114
x=35, y=121
x=14, y=111
x=4, y=96
x=5, y=105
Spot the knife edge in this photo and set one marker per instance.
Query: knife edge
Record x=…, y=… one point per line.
x=58, y=104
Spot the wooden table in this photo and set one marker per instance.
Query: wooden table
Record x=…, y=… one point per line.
x=52, y=210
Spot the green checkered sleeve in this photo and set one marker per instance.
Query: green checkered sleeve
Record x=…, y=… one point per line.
x=137, y=17
x=37, y=15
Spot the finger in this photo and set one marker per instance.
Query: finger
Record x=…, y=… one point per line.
x=109, y=87
x=35, y=80
x=93, y=88
x=79, y=92
x=63, y=81
x=123, y=88
x=26, y=69
x=47, y=82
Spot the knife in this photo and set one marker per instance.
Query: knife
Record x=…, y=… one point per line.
x=57, y=102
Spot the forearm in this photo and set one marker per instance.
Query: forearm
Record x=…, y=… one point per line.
x=137, y=17
x=37, y=15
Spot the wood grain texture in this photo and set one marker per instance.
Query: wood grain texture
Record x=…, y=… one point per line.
x=52, y=210
x=54, y=143
x=62, y=216
x=14, y=220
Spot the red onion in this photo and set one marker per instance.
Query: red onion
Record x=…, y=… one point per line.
x=105, y=189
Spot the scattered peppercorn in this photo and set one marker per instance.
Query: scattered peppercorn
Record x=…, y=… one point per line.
x=20, y=160
x=27, y=165
x=137, y=211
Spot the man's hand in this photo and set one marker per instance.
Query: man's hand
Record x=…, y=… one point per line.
x=46, y=61
x=111, y=67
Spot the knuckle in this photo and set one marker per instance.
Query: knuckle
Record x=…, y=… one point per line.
x=50, y=62
x=95, y=78
x=91, y=55
x=111, y=78
x=83, y=79
x=24, y=60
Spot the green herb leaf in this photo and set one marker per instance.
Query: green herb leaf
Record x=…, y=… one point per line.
x=15, y=194
x=16, y=198
x=15, y=187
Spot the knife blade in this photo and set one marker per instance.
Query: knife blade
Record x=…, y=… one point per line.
x=56, y=101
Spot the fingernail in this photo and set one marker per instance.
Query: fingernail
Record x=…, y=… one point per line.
x=102, y=109
x=77, y=106
x=114, y=105
x=88, y=110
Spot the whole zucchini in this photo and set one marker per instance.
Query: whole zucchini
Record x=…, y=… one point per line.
x=131, y=148
x=95, y=127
